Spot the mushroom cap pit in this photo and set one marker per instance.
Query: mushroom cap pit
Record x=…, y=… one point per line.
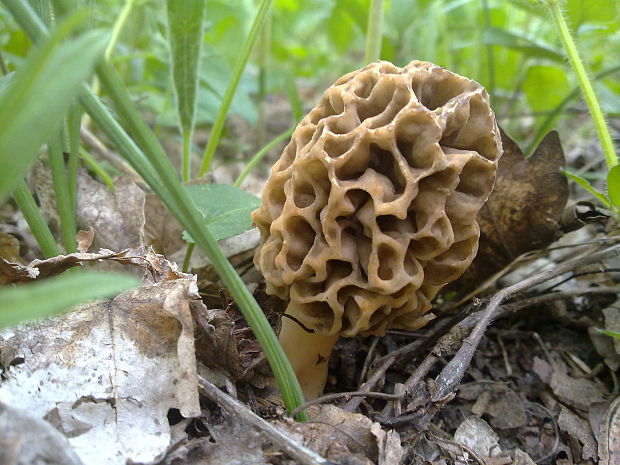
x=371, y=209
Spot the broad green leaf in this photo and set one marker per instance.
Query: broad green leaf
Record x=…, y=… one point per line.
x=613, y=185
x=513, y=40
x=587, y=186
x=579, y=12
x=185, y=27
x=340, y=28
x=545, y=87
x=226, y=209
x=35, y=102
x=47, y=297
x=5, y=81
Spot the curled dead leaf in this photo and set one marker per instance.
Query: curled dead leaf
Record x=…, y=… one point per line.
x=524, y=210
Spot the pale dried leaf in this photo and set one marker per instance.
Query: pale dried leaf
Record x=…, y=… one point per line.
x=111, y=371
x=579, y=431
x=390, y=449
x=477, y=435
x=26, y=440
x=576, y=392
x=609, y=435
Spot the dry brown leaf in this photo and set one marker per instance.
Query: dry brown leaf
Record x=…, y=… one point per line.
x=477, y=435
x=337, y=435
x=11, y=273
x=609, y=435
x=116, y=217
x=9, y=248
x=576, y=392
x=107, y=373
x=579, y=432
x=523, y=211
x=84, y=239
x=161, y=230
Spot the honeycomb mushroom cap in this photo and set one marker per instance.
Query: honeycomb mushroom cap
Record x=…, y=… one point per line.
x=372, y=206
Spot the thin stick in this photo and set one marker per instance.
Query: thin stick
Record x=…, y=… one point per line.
x=294, y=449
x=338, y=395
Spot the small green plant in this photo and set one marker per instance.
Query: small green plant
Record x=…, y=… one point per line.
x=53, y=72
x=612, y=198
x=149, y=159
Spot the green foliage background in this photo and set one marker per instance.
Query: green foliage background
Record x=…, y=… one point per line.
x=508, y=46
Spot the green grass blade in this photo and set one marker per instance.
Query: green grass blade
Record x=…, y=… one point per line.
x=24, y=200
x=242, y=59
x=260, y=154
x=53, y=74
x=185, y=28
x=97, y=169
x=118, y=27
x=64, y=203
x=47, y=297
x=74, y=120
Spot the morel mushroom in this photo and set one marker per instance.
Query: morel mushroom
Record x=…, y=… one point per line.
x=372, y=207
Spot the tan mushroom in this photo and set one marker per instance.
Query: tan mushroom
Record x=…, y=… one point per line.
x=372, y=207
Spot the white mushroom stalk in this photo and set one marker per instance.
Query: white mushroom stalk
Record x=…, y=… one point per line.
x=372, y=207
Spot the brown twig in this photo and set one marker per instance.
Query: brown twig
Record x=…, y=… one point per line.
x=339, y=395
x=294, y=449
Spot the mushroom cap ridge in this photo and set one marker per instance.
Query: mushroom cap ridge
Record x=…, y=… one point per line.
x=371, y=209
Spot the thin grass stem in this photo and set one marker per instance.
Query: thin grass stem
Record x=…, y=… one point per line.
x=118, y=27
x=37, y=224
x=64, y=204
x=374, y=31
x=242, y=59
x=585, y=85
x=260, y=154
x=94, y=165
x=74, y=122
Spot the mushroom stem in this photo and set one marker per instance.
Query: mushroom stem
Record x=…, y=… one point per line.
x=308, y=353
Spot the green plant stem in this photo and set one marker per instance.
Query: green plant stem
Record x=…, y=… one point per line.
x=374, y=32
x=118, y=27
x=24, y=200
x=293, y=95
x=242, y=59
x=188, y=256
x=584, y=83
x=74, y=121
x=260, y=154
x=187, y=156
x=161, y=177
x=64, y=204
x=97, y=169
